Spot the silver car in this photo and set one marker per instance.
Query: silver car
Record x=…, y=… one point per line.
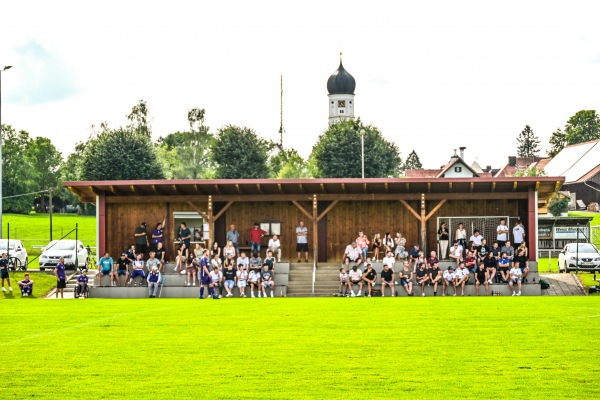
x=17, y=255
x=589, y=258
x=72, y=251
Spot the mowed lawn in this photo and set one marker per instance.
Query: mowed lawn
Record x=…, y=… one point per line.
x=495, y=347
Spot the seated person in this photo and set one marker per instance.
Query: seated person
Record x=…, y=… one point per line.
x=153, y=261
x=229, y=278
x=216, y=261
x=414, y=254
x=433, y=259
x=470, y=262
x=435, y=276
x=462, y=277
x=138, y=269
x=192, y=267
x=154, y=280
x=344, y=282
x=490, y=263
x=105, y=268
x=270, y=261
x=160, y=254
x=355, y=275
x=515, y=277
x=504, y=267
x=476, y=242
x=243, y=259
x=387, y=279
x=390, y=260
x=241, y=277
x=509, y=250
x=255, y=261
x=353, y=255
x=422, y=277
x=481, y=278
x=522, y=262
x=406, y=276
x=266, y=281
x=216, y=278
x=449, y=279
x=456, y=252
x=496, y=250
x=123, y=264
x=82, y=284
x=483, y=251
x=26, y=285
x=370, y=277
x=254, y=278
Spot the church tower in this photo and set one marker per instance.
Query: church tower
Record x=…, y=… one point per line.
x=340, y=86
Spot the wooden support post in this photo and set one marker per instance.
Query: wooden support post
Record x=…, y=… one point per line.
x=423, y=223
x=324, y=213
x=216, y=217
x=211, y=225
x=101, y=222
x=531, y=235
x=315, y=229
x=306, y=213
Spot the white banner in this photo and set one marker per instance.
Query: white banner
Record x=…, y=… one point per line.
x=570, y=232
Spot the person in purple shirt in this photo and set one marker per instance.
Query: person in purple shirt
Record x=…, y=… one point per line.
x=204, y=275
x=59, y=272
x=157, y=233
x=82, y=284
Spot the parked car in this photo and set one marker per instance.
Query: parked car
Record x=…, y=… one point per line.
x=589, y=257
x=68, y=249
x=17, y=255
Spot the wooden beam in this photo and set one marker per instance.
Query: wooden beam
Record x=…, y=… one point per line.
x=114, y=190
x=217, y=188
x=344, y=188
x=198, y=210
x=365, y=188
x=437, y=207
x=175, y=189
x=301, y=188
x=280, y=188
x=385, y=185
x=308, y=215
x=557, y=186
x=134, y=189
x=95, y=191
x=258, y=188
x=493, y=186
x=407, y=187
x=329, y=207
x=428, y=187
x=449, y=187
x=322, y=188
x=515, y=183
x=216, y=217
x=237, y=187
x=153, y=187
x=537, y=186
x=471, y=186
x=413, y=212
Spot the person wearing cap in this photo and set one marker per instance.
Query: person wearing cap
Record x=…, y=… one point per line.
x=422, y=277
x=154, y=279
x=141, y=238
x=387, y=279
x=449, y=279
x=406, y=276
x=462, y=277
x=82, y=284
x=26, y=286
x=4, y=272
x=355, y=275
x=123, y=264
x=435, y=276
x=105, y=268
x=370, y=277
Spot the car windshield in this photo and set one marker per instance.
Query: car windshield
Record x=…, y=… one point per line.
x=583, y=248
x=4, y=244
x=61, y=246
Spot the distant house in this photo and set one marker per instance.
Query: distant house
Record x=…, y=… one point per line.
x=580, y=165
x=457, y=167
x=519, y=164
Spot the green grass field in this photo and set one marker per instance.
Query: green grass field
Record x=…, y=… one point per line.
x=42, y=284
x=495, y=347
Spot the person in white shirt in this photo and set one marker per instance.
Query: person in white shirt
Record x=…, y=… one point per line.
x=460, y=235
x=502, y=233
x=390, y=260
x=352, y=254
x=254, y=278
x=244, y=260
x=449, y=279
x=518, y=234
x=515, y=277
x=242, y=278
x=275, y=246
x=462, y=277
x=344, y=283
x=355, y=275
x=456, y=252
x=476, y=240
x=217, y=280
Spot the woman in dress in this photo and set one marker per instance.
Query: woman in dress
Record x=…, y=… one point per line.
x=461, y=236
x=443, y=239
x=400, y=243
x=376, y=246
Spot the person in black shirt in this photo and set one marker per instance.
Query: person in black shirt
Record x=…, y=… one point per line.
x=229, y=274
x=123, y=264
x=370, y=277
x=490, y=264
x=443, y=239
x=387, y=278
x=481, y=278
x=422, y=277
x=521, y=261
x=159, y=254
x=141, y=238
x=483, y=251
x=435, y=277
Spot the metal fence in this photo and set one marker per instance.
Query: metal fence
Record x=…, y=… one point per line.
x=487, y=225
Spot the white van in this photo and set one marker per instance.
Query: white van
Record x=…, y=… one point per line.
x=70, y=250
x=17, y=255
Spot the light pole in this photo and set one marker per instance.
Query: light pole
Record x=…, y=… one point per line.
x=4, y=69
x=362, y=146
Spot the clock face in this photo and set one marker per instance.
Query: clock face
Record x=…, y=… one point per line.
x=341, y=103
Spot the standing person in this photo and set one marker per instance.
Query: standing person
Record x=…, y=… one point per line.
x=443, y=239
x=141, y=238
x=387, y=279
x=157, y=233
x=204, y=276
x=256, y=235
x=376, y=246
x=388, y=243
x=460, y=235
x=123, y=264
x=518, y=234
x=59, y=272
x=302, y=241
x=363, y=244
x=4, y=272
x=481, y=278
x=26, y=285
x=185, y=235
x=275, y=246
x=154, y=279
x=105, y=268
x=502, y=233
x=233, y=236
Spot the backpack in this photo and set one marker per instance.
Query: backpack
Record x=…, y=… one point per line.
x=544, y=284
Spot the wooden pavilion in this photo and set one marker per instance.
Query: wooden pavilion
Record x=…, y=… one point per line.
x=332, y=209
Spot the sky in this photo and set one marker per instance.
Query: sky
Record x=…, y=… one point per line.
x=431, y=75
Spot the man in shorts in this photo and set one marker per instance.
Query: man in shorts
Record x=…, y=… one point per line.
x=422, y=277
x=82, y=284
x=255, y=261
x=414, y=255
x=515, y=278
x=229, y=276
x=370, y=277
x=302, y=241
x=243, y=260
x=266, y=281
x=406, y=276
x=462, y=277
x=435, y=276
x=204, y=275
x=26, y=286
x=456, y=253
x=105, y=268
x=470, y=262
x=504, y=267
x=123, y=264
x=241, y=277
x=355, y=275
x=481, y=278
x=449, y=279
x=387, y=279
x=254, y=278
x=154, y=279
x=522, y=263
x=4, y=272
x=353, y=255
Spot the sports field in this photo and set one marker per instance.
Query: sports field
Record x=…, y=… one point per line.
x=495, y=347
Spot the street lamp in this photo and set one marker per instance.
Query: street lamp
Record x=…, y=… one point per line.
x=362, y=146
x=4, y=69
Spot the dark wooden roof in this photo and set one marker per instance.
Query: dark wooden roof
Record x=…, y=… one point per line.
x=333, y=188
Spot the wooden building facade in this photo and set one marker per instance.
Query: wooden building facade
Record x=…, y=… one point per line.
x=334, y=210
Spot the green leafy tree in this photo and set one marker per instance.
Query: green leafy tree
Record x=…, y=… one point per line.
x=18, y=172
x=46, y=161
x=583, y=127
x=528, y=144
x=138, y=119
x=558, y=141
x=531, y=171
x=239, y=153
x=120, y=154
x=337, y=153
x=287, y=163
x=413, y=161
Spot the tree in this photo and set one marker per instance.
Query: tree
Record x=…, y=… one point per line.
x=18, y=173
x=239, y=153
x=120, y=154
x=528, y=144
x=46, y=161
x=337, y=153
x=558, y=141
x=138, y=119
x=583, y=127
x=531, y=171
x=412, y=161
x=287, y=163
